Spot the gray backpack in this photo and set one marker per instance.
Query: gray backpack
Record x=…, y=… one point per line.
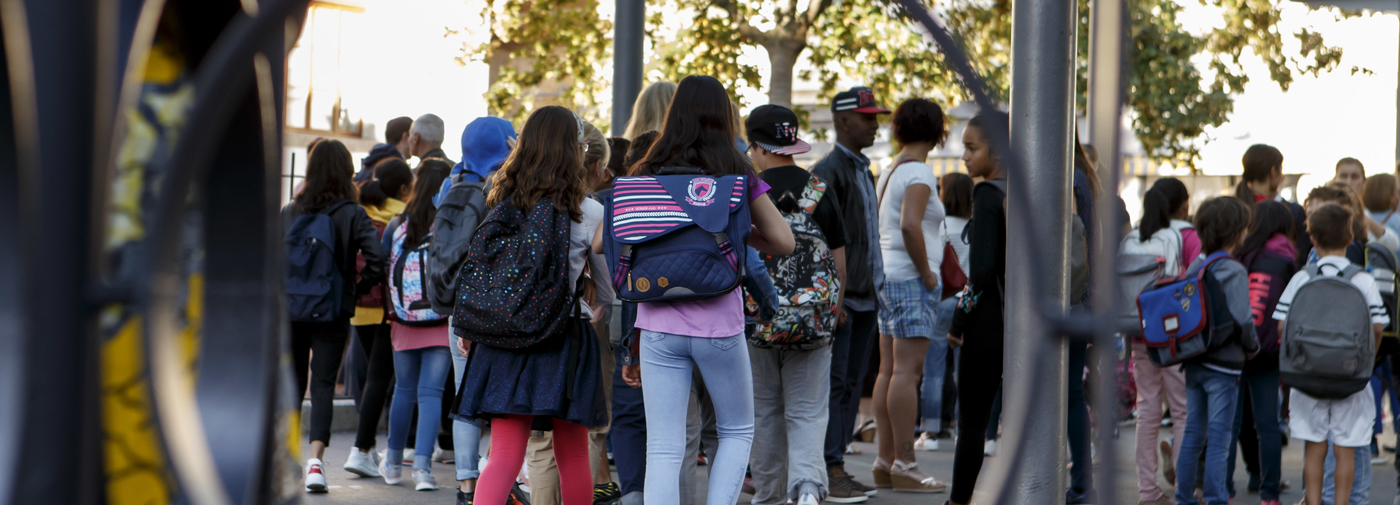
x=457, y=218
x=1328, y=344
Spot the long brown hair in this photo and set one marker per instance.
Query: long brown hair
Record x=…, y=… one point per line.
x=547, y=163
x=1082, y=162
x=329, y=170
x=699, y=132
x=420, y=210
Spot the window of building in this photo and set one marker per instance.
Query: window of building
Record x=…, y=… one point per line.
x=320, y=73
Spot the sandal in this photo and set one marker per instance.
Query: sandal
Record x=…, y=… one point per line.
x=881, y=472
x=907, y=478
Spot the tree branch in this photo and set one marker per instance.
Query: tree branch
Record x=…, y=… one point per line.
x=815, y=9
x=745, y=29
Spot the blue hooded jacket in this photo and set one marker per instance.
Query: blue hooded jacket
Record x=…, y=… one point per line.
x=484, y=147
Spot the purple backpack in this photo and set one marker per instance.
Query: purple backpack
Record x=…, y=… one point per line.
x=677, y=235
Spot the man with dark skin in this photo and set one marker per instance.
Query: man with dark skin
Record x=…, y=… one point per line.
x=847, y=174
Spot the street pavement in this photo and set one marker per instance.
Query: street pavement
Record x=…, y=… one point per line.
x=346, y=488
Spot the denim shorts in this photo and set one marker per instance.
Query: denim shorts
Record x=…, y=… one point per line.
x=907, y=310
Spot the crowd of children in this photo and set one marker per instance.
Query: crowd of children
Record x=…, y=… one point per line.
x=688, y=289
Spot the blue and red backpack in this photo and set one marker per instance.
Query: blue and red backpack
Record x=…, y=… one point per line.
x=677, y=235
x=1186, y=317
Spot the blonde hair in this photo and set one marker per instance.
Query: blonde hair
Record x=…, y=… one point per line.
x=595, y=161
x=649, y=111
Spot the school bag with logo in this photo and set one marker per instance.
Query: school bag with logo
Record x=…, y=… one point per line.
x=677, y=235
x=1141, y=265
x=313, y=281
x=1327, y=348
x=408, y=280
x=513, y=290
x=457, y=218
x=1186, y=317
x=1381, y=264
x=805, y=280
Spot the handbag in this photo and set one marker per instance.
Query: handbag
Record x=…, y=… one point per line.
x=950, y=270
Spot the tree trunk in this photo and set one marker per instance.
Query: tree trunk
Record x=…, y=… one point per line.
x=782, y=57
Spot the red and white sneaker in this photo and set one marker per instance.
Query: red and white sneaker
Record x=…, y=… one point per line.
x=315, y=476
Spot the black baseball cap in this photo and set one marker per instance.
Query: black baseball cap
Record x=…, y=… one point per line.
x=774, y=128
x=859, y=99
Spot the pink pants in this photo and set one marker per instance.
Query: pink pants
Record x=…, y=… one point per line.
x=508, y=438
x=1154, y=385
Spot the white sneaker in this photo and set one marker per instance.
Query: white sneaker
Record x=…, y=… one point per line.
x=424, y=481
x=990, y=449
x=926, y=443
x=1380, y=459
x=315, y=476
x=807, y=499
x=393, y=474
x=364, y=464
x=445, y=456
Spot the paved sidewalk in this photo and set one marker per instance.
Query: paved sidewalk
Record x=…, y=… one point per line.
x=348, y=489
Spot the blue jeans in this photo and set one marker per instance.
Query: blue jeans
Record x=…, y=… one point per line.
x=1360, y=482
x=935, y=367
x=667, y=368
x=420, y=374
x=1263, y=399
x=1211, y=397
x=850, y=356
x=466, y=437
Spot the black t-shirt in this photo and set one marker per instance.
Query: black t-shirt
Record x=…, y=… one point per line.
x=828, y=212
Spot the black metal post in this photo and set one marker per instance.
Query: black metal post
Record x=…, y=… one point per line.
x=629, y=33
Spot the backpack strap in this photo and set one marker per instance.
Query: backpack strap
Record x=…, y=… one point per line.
x=812, y=192
x=1349, y=272
x=331, y=210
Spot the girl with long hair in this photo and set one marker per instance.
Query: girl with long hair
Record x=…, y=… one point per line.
x=1268, y=255
x=955, y=192
x=1263, y=174
x=320, y=345
x=707, y=333
x=553, y=386
x=421, y=358
x=910, y=215
x=1165, y=210
x=978, y=326
x=649, y=111
x=383, y=198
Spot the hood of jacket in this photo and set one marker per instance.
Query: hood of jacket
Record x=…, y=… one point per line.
x=486, y=142
x=377, y=153
x=382, y=214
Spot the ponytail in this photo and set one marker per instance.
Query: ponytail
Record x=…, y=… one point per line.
x=1245, y=194
x=1156, y=214
x=372, y=194
x=1158, y=205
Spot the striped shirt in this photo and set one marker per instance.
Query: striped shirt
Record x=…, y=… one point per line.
x=1361, y=280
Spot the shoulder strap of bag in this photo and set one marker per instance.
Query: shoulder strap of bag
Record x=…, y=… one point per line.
x=880, y=200
x=331, y=210
x=1349, y=272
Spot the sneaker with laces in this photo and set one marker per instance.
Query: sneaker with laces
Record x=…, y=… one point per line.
x=364, y=464
x=423, y=480
x=315, y=476
x=393, y=474
x=841, y=489
x=1379, y=459
x=926, y=442
x=606, y=494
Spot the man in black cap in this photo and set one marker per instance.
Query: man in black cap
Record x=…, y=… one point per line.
x=791, y=409
x=847, y=172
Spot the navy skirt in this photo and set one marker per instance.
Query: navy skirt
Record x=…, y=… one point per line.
x=539, y=381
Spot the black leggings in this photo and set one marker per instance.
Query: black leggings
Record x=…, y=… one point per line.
x=979, y=377
x=321, y=346
x=379, y=351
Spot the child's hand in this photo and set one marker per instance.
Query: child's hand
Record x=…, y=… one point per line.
x=632, y=375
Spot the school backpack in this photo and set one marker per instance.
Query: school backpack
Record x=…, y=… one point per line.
x=1141, y=265
x=806, y=280
x=458, y=215
x=1381, y=264
x=677, y=235
x=375, y=297
x=313, y=281
x=408, y=280
x=513, y=290
x=1186, y=317
x=1327, y=348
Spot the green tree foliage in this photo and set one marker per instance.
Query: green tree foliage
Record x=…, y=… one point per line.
x=546, y=52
